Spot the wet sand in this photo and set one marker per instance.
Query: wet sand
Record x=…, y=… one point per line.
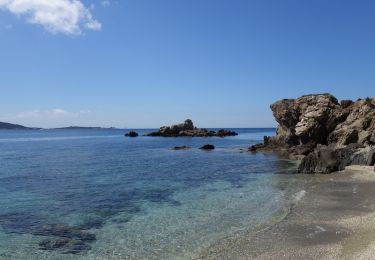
x=333, y=219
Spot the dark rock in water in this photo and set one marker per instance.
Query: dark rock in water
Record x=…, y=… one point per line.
x=189, y=130
x=184, y=147
x=208, y=147
x=256, y=147
x=132, y=134
x=223, y=133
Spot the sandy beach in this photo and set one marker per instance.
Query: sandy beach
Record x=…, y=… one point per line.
x=332, y=219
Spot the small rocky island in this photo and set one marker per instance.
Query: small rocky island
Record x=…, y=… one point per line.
x=188, y=129
x=324, y=134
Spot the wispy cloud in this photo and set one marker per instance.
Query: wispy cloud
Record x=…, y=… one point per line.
x=56, y=117
x=105, y=2
x=55, y=16
x=50, y=114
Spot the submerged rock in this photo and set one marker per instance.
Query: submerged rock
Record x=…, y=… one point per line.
x=65, y=246
x=52, y=244
x=320, y=131
x=189, y=130
x=184, y=147
x=60, y=230
x=208, y=147
x=65, y=239
x=131, y=134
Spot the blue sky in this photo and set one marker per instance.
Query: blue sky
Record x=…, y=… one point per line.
x=146, y=63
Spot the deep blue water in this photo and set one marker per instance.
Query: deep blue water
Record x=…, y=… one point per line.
x=96, y=194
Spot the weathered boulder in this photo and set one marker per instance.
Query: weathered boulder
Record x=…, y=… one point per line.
x=189, y=130
x=327, y=159
x=207, y=147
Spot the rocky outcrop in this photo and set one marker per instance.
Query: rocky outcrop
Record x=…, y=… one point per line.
x=188, y=129
x=325, y=134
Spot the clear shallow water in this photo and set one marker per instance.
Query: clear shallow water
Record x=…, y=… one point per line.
x=94, y=194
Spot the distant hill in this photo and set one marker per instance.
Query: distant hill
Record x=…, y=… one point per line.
x=83, y=128
x=9, y=126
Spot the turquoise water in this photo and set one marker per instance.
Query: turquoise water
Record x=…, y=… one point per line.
x=94, y=194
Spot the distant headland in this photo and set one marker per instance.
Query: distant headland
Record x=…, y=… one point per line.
x=9, y=126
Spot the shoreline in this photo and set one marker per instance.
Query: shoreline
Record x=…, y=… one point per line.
x=333, y=219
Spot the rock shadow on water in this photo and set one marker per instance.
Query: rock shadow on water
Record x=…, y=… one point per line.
x=67, y=239
x=60, y=237
x=151, y=195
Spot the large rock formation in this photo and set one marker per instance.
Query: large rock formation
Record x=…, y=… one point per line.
x=188, y=129
x=318, y=129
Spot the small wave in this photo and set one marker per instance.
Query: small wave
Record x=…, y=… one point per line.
x=299, y=195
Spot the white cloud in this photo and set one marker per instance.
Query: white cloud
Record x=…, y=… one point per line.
x=50, y=114
x=56, y=16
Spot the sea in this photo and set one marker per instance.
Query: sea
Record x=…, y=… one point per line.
x=96, y=194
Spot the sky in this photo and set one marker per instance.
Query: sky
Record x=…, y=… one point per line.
x=147, y=63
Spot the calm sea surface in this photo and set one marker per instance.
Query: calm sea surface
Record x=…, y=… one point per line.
x=95, y=194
